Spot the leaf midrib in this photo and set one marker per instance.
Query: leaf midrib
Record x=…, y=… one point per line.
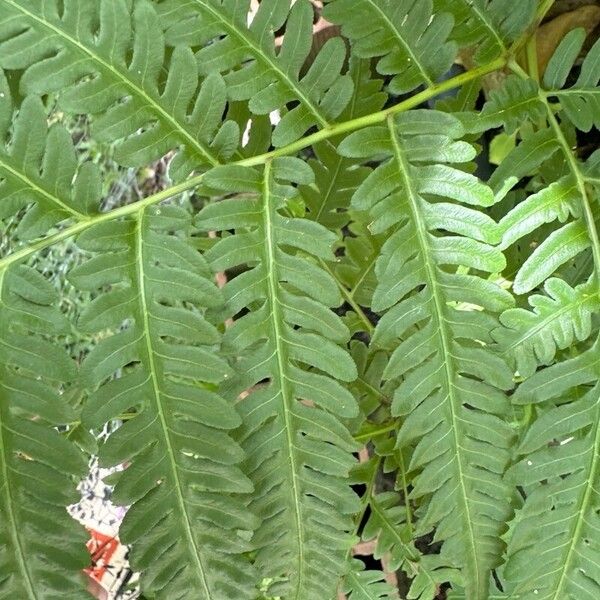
x=177, y=128
x=33, y=186
x=144, y=308
x=583, y=506
x=394, y=31
x=9, y=502
x=444, y=336
x=277, y=321
x=555, y=316
x=574, y=92
x=249, y=43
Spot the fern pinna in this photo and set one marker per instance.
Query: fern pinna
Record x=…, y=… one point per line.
x=347, y=343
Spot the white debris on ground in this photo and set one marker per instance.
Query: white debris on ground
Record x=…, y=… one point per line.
x=111, y=577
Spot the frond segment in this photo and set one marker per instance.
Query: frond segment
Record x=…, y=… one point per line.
x=108, y=59
x=488, y=26
x=183, y=481
x=553, y=550
x=453, y=406
x=408, y=38
x=42, y=551
x=565, y=199
x=581, y=101
x=336, y=176
x=286, y=343
x=38, y=169
x=360, y=584
x=562, y=317
x=268, y=79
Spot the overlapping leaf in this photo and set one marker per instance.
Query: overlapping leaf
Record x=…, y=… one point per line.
x=553, y=550
x=286, y=340
x=183, y=480
x=450, y=401
x=253, y=70
x=108, y=59
x=42, y=551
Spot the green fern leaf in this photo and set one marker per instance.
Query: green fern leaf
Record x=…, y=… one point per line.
x=39, y=171
x=42, y=551
x=581, y=101
x=363, y=307
x=408, y=38
x=560, y=318
x=367, y=585
x=445, y=394
x=337, y=177
x=552, y=552
x=516, y=101
x=269, y=80
x=183, y=480
x=488, y=26
x=298, y=452
x=117, y=75
x=564, y=199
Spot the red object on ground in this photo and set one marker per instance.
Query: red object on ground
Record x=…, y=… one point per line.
x=102, y=548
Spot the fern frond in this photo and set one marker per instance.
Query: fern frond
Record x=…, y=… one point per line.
x=42, y=551
x=566, y=199
x=360, y=584
x=356, y=270
x=268, y=79
x=562, y=317
x=487, y=26
x=298, y=451
x=451, y=403
x=183, y=480
x=387, y=523
x=337, y=177
x=108, y=59
x=39, y=170
x=581, y=101
x=408, y=38
x=552, y=553
x=524, y=159
x=516, y=101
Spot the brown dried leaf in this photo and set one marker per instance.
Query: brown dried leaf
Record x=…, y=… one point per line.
x=550, y=34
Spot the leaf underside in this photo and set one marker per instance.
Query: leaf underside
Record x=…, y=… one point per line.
x=317, y=320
